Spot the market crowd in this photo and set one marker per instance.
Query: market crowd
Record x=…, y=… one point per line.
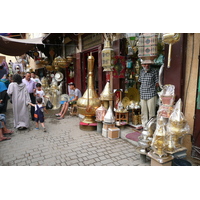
x=27, y=98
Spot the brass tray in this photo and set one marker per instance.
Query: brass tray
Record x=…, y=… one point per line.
x=125, y=102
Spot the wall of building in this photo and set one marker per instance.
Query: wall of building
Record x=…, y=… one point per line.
x=191, y=75
x=8, y=58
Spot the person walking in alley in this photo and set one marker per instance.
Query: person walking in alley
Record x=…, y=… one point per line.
x=31, y=87
x=40, y=92
x=148, y=94
x=20, y=100
x=39, y=113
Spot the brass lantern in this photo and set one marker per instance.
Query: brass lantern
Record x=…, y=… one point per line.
x=89, y=102
x=170, y=38
x=60, y=62
x=49, y=68
x=69, y=59
x=107, y=56
x=106, y=95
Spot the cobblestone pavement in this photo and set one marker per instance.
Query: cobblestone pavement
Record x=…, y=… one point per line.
x=64, y=144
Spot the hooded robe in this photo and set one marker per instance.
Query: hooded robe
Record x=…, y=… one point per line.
x=20, y=99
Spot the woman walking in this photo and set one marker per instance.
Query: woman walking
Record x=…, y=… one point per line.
x=20, y=100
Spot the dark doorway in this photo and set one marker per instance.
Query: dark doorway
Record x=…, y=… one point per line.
x=99, y=76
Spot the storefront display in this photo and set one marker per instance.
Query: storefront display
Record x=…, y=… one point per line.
x=167, y=97
x=89, y=102
x=109, y=117
x=177, y=127
x=100, y=113
x=106, y=95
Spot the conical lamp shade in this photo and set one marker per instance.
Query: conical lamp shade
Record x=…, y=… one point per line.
x=109, y=117
x=106, y=95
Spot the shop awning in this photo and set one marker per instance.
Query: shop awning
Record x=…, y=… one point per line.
x=51, y=36
x=18, y=47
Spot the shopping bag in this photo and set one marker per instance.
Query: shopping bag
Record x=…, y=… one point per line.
x=49, y=105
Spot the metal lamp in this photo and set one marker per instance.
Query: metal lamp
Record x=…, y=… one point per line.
x=147, y=47
x=107, y=56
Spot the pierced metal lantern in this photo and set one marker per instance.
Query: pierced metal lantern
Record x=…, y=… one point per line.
x=107, y=56
x=60, y=62
x=147, y=47
x=100, y=113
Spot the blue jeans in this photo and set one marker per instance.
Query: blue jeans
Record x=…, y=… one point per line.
x=2, y=119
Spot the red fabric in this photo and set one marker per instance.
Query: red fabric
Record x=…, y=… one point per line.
x=87, y=124
x=84, y=124
x=133, y=136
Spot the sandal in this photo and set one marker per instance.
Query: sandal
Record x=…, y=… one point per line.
x=59, y=118
x=22, y=128
x=11, y=132
x=57, y=115
x=5, y=138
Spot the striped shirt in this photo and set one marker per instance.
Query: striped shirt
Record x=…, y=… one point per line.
x=148, y=83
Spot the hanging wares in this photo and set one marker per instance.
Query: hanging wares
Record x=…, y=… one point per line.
x=107, y=56
x=60, y=62
x=147, y=47
x=170, y=38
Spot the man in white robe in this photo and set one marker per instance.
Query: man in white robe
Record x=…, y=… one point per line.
x=20, y=99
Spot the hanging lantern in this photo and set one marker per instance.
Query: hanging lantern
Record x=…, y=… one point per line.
x=69, y=59
x=170, y=38
x=49, y=68
x=129, y=64
x=107, y=56
x=147, y=47
x=60, y=62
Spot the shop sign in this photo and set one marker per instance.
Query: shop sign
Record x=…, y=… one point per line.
x=91, y=40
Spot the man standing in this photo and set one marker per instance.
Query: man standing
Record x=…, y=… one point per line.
x=35, y=78
x=148, y=93
x=31, y=87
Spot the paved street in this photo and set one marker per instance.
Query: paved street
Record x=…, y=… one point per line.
x=64, y=144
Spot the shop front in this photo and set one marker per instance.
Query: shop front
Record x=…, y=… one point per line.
x=91, y=43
